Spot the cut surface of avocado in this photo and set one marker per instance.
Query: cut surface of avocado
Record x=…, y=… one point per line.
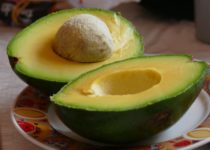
x=132, y=84
x=33, y=48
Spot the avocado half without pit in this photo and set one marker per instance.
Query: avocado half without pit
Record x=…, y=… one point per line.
x=130, y=100
x=63, y=45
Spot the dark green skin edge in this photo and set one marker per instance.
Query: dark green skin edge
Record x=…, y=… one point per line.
x=45, y=86
x=131, y=126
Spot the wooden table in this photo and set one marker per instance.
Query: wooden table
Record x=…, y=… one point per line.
x=160, y=36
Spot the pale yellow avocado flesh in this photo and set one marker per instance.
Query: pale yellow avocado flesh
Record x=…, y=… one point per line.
x=131, y=84
x=36, y=58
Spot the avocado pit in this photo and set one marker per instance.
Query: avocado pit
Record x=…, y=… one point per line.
x=84, y=38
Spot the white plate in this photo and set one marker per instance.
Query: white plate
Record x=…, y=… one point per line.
x=48, y=132
x=195, y=115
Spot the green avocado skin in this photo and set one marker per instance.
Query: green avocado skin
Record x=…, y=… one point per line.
x=131, y=126
x=45, y=86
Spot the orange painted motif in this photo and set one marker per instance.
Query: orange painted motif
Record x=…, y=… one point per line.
x=200, y=133
x=31, y=113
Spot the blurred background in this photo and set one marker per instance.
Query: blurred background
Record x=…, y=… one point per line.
x=23, y=12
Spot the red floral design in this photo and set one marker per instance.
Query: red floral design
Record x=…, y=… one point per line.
x=182, y=143
x=26, y=126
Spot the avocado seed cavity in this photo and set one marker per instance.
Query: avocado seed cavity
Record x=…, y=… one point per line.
x=84, y=38
x=125, y=82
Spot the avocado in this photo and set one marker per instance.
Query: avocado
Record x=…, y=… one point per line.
x=32, y=56
x=130, y=100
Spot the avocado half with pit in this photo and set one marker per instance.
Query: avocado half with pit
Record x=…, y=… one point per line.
x=127, y=101
x=32, y=57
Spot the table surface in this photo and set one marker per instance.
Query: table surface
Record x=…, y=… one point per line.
x=160, y=36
